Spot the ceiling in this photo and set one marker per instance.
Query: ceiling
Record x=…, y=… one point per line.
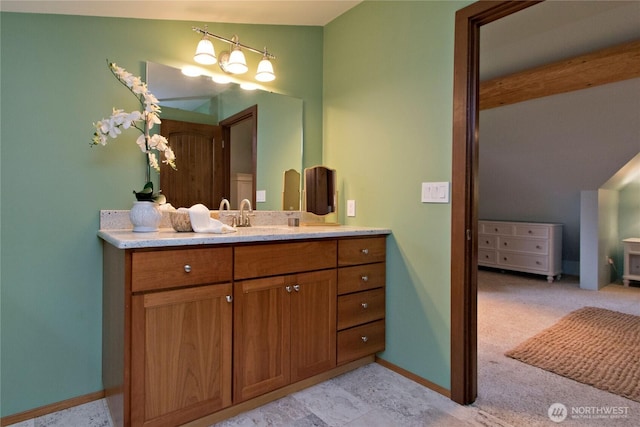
x=544, y=33
x=292, y=12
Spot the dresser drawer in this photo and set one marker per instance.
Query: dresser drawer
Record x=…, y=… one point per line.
x=360, y=341
x=533, y=246
x=283, y=258
x=154, y=270
x=523, y=262
x=486, y=257
x=496, y=228
x=361, y=278
x=361, y=307
x=532, y=230
x=361, y=251
x=487, y=241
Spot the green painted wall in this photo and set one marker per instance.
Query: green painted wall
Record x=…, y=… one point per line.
x=54, y=85
x=388, y=84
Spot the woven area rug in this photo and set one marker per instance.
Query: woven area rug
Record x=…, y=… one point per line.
x=591, y=345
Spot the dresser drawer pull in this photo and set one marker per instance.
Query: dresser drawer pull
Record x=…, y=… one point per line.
x=505, y=258
x=530, y=232
x=365, y=251
x=364, y=339
x=187, y=268
x=288, y=288
x=296, y=288
x=538, y=247
x=229, y=298
x=365, y=278
x=505, y=243
x=365, y=305
x=538, y=263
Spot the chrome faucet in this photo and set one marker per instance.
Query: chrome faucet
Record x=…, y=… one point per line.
x=224, y=203
x=244, y=217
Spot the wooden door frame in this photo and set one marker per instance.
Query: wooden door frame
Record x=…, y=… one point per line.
x=226, y=124
x=464, y=194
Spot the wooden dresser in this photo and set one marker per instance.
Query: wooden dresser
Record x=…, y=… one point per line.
x=529, y=247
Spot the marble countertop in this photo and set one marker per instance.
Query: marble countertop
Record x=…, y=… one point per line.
x=127, y=239
x=116, y=229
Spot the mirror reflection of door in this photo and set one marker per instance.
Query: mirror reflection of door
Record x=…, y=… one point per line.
x=199, y=160
x=240, y=133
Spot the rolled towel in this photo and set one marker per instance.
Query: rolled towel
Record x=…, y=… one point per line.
x=201, y=222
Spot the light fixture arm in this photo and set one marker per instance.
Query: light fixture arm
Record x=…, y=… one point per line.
x=234, y=42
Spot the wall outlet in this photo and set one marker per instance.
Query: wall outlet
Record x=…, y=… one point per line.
x=351, y=208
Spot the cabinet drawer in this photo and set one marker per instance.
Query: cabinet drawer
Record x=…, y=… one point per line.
x=360, y=341
x=532, y=230
x=633, y=247
x=361, y=278
x=181, y=267
x=533, y=246
x=361, y=307
x=283, y=258
x=520, y=261
x=496, y=228
x=486, y=257
x=487, y=241
x=361, y=251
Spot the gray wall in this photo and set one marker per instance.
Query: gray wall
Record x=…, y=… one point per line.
x=537, y=156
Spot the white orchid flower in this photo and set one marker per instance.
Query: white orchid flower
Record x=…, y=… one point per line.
x=141, y=120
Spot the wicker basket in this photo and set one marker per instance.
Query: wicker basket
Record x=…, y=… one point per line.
x=180, y=221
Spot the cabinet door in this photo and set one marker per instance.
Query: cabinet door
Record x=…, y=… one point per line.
x=261, y=337
x=313, y=323
x=181, y=354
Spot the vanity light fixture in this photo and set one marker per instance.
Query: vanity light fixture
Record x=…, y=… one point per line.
x=205, y=53
x=233, y=62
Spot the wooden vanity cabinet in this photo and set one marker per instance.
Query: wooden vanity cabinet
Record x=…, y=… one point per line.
x=175, y=311
x=199, y=332
x=361, y=297
x=284, y=324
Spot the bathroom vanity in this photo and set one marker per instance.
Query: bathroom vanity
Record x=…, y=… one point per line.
x=205, y=326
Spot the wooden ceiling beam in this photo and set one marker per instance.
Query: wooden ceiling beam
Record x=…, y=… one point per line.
x=608, y=65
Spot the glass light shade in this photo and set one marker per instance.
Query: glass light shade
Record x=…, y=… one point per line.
x=205, y=53
x=265, y=71
x=237, y=63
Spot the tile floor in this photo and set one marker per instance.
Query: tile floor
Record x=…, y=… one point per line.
x=371, y=396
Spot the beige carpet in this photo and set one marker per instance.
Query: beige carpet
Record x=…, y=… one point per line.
x=594, y=346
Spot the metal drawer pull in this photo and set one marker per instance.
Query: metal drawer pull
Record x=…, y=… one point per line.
x=365, y=251
x=364, y=339
x=296, y=288
x=187, y=268
x=364, y=305
x=288, y=288
x=229, y=298
x=365, y=278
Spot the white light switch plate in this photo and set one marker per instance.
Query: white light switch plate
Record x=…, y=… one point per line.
x=435, y=192
x=261, y=196
x=351, y=208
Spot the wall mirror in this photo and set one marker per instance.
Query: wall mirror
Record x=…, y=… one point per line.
x=320, y=195
x=200, y=100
